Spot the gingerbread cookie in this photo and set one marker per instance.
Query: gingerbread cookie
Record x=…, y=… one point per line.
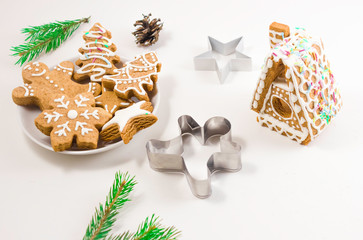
x=72, y=118
x=297, y=94
x=127, y=122
x=135, y=78
x=97, y=55
x=41, y=84
x=109, y=101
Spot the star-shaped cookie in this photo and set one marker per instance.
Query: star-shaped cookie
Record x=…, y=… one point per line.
x=127, y=122
x=109, y=101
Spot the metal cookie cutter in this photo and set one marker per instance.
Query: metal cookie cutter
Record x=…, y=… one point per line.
x=166, y=156
x=207, y=62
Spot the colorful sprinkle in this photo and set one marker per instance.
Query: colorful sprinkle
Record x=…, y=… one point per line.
x=300, y=49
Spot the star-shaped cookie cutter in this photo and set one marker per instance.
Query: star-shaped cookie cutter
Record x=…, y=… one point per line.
x=166, y=156
x=207, y=62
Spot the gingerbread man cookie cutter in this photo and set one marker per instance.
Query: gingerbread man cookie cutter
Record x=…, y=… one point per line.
x=166, y=156
x=207, y=62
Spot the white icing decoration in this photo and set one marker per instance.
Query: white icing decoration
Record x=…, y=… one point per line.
x=65, y=68
x=26, y=91
x=86, y=114
x=55, y=116
x=72, y=114
x=273, y=109
x=106, y=107
x=122, y=116
x=262, y=84
x=62, y=103
x=96, y=55
x=38, y=74
x=144, y=80
x=90, y=88
x=274, y=40
x=113, y=109
x=284, y=128
x=80, y=102
x=62, y=131
x=84, y=130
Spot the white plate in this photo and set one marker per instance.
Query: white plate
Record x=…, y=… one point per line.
x=28, y=114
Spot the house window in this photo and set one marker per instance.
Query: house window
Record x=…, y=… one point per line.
x=281, y=107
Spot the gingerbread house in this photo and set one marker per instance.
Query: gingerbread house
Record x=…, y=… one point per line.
x=296, y=95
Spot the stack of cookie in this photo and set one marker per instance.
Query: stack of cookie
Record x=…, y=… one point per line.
x=113, y=104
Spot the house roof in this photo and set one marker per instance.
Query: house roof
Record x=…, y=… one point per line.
x=308, y=74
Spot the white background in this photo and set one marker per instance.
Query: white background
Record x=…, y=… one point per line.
x=284, y=191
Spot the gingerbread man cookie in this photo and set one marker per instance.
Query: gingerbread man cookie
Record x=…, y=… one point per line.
x=97, y=55
x=127, y=122
x=72, y=118
x=135, y=78
x=40, y=84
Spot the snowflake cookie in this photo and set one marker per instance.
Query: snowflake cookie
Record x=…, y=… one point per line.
x=72, y=118
x=135, y=78
x=127, y=122
x=41, y=84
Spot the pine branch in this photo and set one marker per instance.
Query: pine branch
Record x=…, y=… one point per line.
x=46, y=38
x=124, y=236
x=33, y=32
x=150, y=229
x=105, y=216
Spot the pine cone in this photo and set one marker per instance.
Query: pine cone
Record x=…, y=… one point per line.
x=148, y=30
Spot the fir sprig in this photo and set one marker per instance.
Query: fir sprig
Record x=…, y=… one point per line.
x=104, y=218
x=46, y=37
x=151, y=228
